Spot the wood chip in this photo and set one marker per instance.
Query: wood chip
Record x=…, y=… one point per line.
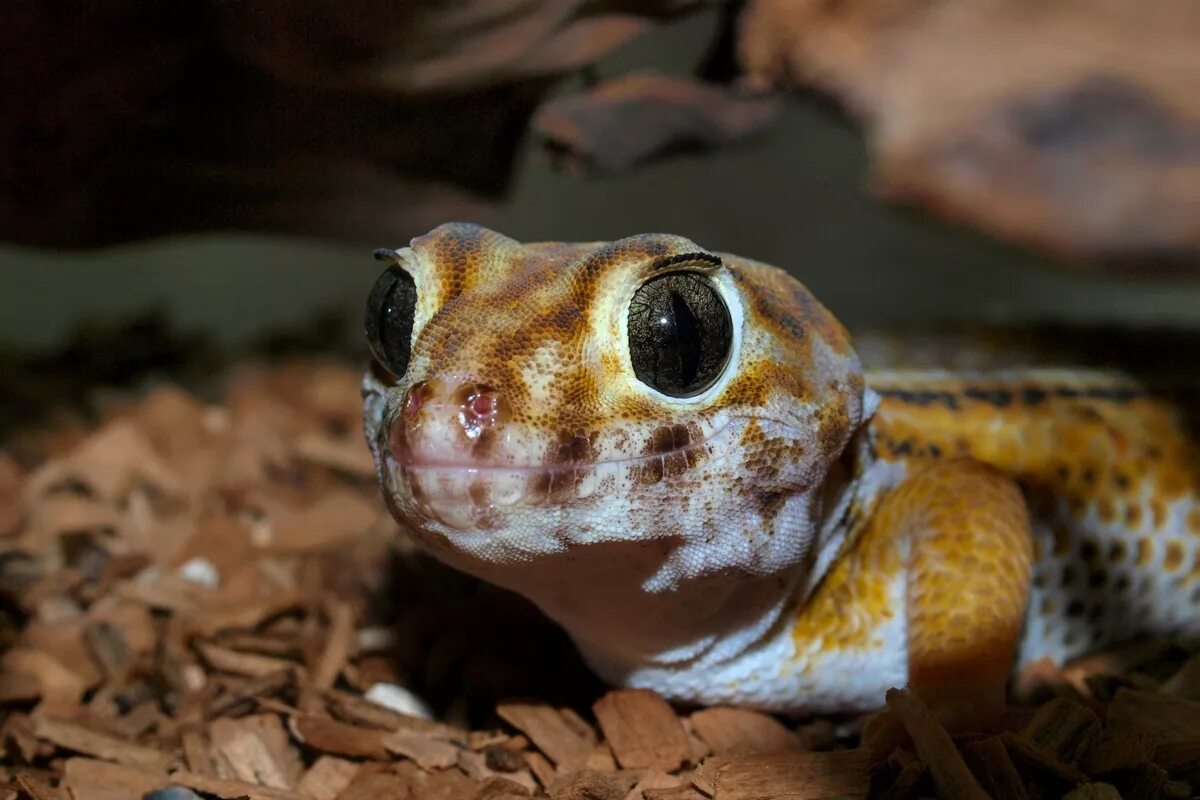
x=1063, y=728
x=237, y=663
x=19, y=687
x=244, y=749
x=642, y=730
x=541, y=767
x=588, y=784
x=38, y=789
x=551, y=731
x=1114, y=751
x=478, y=767
x=909, y=773
x=1185, y=683
x=1167, y=718
x=375, y=785
x=1143, y=782
x=1041, y=763
x=196, y=752
x=327, y=778
x=330, y=736
x=934, y=747
x=795, y=776
x=60, y=688
x=89, y=779
x=338, y=517
x=12, y=503
x=684, y=792
x=427, y=752
x=231, y=789
x=79, y=739
x=991, y=764
x=740, y=731
x=350, y=455
x=339, y=641
x=500, y=789
x=654, y=779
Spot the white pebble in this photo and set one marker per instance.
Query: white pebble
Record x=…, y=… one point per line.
x=397, y=698
x=201, y=571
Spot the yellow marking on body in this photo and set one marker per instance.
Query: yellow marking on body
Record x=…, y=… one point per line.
x=1096, y=440
x=852, y=604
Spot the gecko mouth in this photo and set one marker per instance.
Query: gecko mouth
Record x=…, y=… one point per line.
x=468, y=495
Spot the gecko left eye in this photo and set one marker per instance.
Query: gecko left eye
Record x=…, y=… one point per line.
x=389, y=318
x=680, y=333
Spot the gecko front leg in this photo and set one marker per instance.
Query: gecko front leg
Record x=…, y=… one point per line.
x=970, y=560
x=941, y=567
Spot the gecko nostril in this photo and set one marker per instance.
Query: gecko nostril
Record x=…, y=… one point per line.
x=481, y=407
x=421, y=393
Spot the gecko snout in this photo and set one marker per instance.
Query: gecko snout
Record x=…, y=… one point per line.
x=448, y=420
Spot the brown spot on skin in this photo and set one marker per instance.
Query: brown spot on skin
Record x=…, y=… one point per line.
x=573, y=447
x=650, y=471
x=833, y=429
x=667, y=438
x=1173, y=556
x=1062, y=539
x=674, y=464
x=1133, y=516
x=480, y=494
x=1145, y=551
x=1089, y=550
x=1106, y=511
x=768, y=505
x=555, y=486
x=1193, y=521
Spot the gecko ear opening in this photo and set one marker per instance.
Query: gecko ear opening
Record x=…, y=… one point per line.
x=680, y=333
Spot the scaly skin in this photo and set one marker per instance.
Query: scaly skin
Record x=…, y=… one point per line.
x=798, y=537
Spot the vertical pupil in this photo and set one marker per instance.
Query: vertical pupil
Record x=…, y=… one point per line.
x=687, y=339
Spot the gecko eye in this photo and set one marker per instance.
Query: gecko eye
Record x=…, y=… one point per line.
x=680, y=333
x=389, y=319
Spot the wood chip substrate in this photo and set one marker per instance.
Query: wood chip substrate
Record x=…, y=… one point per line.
x=207, y=599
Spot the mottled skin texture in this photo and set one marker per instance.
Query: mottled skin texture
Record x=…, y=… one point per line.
x=798, y=537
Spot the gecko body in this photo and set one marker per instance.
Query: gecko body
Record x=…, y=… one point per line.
x=677, y=455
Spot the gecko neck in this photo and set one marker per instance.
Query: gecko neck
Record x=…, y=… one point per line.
x=624, y=629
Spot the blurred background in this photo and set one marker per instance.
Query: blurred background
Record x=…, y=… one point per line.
x=232, y=256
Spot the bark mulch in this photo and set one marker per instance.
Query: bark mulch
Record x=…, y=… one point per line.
x=209, y=600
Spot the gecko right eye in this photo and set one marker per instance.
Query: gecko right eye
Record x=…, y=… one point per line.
x=389, y=317
x=680, y=334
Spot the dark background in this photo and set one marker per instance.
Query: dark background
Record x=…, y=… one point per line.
x=798, y=197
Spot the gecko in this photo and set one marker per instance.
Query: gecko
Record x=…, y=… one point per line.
x=677, y=455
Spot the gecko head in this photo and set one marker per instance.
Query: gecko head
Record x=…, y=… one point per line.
x=670, y=411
